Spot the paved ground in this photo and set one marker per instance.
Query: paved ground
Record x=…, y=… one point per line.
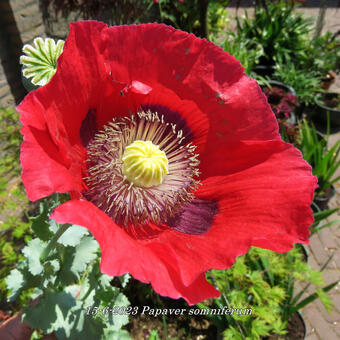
x=320, y=324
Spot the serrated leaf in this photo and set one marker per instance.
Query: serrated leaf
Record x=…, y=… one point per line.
x=15, y=282
x=76, y=259
x=72, y=236
x=32, y=252
x=51, y=311
x=40, y=224
x=81, y=326
x=110, y=334
x=118, y=321
x=84, y=254
x=50, y=269
x=73, y=290
x=105, y=281
x=124, y=279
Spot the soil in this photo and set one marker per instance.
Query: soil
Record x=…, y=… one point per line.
x=196, y=328
x=322, y=198
x=333, y=103
x=296, y=328
x=180, y=327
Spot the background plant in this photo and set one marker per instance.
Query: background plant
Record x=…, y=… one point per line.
x=305, y=84
x=322, y=55
x=71, y=294
x=247, y=51
x=14, y=226
x=190, y=16
x=282, y=33
x=264, y=281
x=323, y=159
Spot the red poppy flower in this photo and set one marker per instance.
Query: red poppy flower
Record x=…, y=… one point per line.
x=221, y=179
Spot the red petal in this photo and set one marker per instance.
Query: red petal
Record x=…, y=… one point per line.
x=45, y=170
x=148, y=260
x=137, y=87
x=52, y=154
x=195, y=70
x=266, y=205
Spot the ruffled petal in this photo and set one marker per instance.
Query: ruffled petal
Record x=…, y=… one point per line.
x=52, y=154
x=266, y=205
x=170, y=68
x=148, y=260
x=194, y=70
x=260, y=186
x=45, y=170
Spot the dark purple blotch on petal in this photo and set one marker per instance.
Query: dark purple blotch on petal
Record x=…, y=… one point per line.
x=88, y=127
x=171, y=117
x=196, y=217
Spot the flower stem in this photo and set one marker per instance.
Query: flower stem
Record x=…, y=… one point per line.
x=53, y=241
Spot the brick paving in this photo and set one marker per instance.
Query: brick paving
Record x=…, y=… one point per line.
x=321, y=324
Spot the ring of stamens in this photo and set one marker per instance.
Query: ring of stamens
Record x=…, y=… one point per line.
x=125, y=202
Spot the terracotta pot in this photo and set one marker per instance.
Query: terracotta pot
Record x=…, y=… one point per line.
x=14, y=329
x=328, y=80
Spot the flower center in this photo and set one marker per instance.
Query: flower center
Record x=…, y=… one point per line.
x=144, y=164
x=140, y=170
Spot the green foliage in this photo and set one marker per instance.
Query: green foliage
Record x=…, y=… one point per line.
x=32, y=253
x=217, y=18
x=195, y=16
x=305, y=83
x=10, y=142
x=247, y=51
x=186, y=16
x=322, y=55
x=13, y=201
x=319, y=216
x=154, y=335
x=263, y=281
x=324, y=160
x=282, y=33
x=73, y=298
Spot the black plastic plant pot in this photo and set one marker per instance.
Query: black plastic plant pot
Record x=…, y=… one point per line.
x=287, y=90
x=282, y=86
x=328, y=103
x=304, y=251
x=322, y=200
x=296, y=327
x=264, y=70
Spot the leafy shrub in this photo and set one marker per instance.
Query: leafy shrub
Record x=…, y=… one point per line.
x=263, y=281
x=282, y=33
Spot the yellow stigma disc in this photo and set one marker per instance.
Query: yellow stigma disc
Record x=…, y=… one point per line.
x=144, y=164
